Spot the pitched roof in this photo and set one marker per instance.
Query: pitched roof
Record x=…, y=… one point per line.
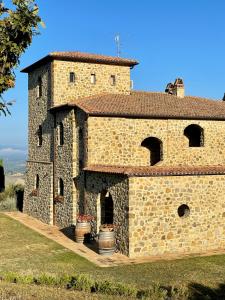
x=152, y=171
x=150, y=105
x=82, y=57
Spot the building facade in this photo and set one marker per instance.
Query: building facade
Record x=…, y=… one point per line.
x=151, y=163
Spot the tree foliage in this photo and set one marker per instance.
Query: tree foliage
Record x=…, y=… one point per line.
x=17, y=28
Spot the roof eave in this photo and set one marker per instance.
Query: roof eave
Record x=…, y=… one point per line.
x=51, y=57
x=143, y=116
x=46, y=59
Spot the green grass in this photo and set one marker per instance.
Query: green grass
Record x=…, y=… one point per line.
x=26, y=252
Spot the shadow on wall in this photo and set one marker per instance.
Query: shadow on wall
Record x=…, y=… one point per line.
x=2, y=178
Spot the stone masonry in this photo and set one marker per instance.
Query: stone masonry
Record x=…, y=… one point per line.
x=118, y=141
x=90, y=150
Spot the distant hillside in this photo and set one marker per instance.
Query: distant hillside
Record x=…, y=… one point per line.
x=14, y=158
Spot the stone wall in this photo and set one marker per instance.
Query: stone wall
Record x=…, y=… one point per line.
x=155, y=227
x=117, y=186
x=40, y=157
x=118, y=142
x=65, y=213
x=39, y=204
x=39, y=115
x=64, y=91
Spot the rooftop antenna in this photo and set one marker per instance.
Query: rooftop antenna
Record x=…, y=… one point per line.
x=118, y=45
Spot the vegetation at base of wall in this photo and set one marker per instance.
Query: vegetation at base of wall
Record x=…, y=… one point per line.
x=9, y=198
x=83, y=282
x=1, y=163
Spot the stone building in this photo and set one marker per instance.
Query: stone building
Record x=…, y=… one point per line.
x=152, y=163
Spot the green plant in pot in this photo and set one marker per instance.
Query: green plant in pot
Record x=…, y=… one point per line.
x=106, y=239
x=83, y=228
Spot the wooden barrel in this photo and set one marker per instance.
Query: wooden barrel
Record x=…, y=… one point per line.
x=106, y=242
x=82, y=231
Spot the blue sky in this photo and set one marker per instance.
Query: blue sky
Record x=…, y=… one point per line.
x=169, y=38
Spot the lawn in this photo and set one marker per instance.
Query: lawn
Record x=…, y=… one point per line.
x=27, y=252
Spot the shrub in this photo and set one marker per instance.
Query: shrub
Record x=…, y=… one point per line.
x=16, y=278
x=155, y=292
x=45, y=279
x=10, y=198
x=107, y=287
x=81, y=283
x=9, y=204
x=85, y=283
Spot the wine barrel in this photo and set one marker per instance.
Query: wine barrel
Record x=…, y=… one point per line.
x=106, y=242
x=82, y=231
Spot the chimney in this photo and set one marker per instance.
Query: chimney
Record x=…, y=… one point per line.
x=223, y=97
x=176, y=88
x=179, y=88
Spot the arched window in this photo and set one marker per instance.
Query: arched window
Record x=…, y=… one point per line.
x=61, y=134
x=155, y=148
x=39, y=133
x=37, y=182
x=195, y=135
x=60, y=187
x=39, y=87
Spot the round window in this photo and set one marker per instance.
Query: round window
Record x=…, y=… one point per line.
x=183, y=211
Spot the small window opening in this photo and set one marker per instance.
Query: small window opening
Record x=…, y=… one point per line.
x=40, y=138
x=106, y=209
x=195, y=135
x=113, y=80
x=72, y=77
x=60, y=134
x=37, y=182
x=80, y=134
x=39, y=87
x=154, y=146
x=61, y=187
x=93, y=78
x=183, y=211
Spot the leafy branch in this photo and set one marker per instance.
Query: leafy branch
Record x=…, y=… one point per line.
x=17, y=28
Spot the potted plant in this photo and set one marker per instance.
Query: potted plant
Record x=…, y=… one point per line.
x=106, y=239
x=83, y=228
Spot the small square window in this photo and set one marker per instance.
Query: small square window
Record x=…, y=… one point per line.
x=113, y=80
x=93, y=78
x=72, y=77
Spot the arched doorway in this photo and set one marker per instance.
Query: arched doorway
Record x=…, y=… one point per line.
x=105, y=209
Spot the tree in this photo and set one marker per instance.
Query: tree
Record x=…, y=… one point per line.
x=17, y=28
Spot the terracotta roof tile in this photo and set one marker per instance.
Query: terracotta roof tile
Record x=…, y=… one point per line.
x=82, y=57
x=132, y=171
x=151, y=105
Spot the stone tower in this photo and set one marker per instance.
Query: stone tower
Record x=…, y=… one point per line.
x=56, y=139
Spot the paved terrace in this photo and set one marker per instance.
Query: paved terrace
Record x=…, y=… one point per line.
x=117, y=259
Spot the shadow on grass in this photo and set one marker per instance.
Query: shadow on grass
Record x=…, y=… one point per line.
x=69, y=232
x=89, y=241
x=202, y=292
